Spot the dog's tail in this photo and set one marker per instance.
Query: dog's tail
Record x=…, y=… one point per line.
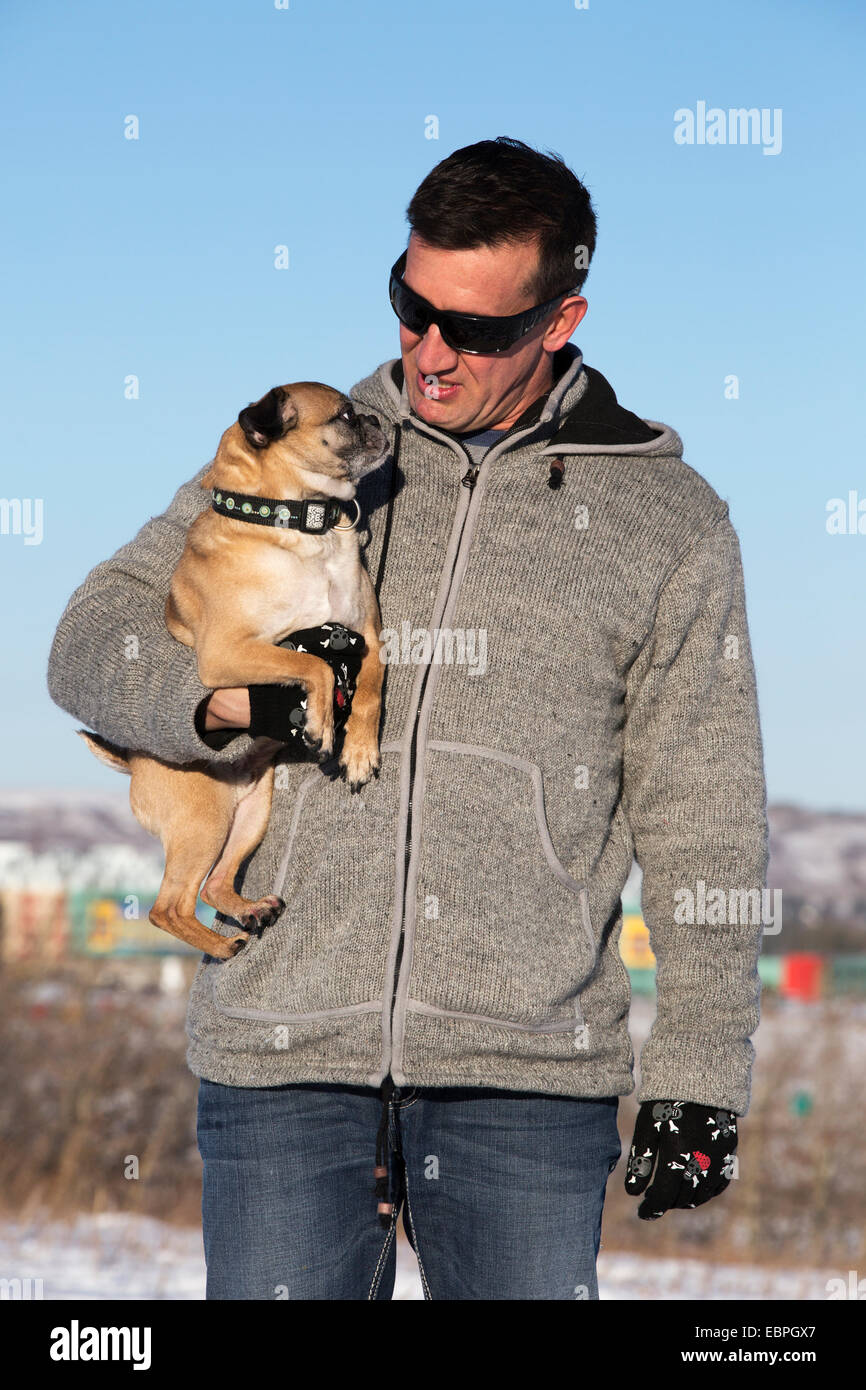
x=106, y=752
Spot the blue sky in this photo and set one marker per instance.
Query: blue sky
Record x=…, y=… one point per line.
x=306, y=127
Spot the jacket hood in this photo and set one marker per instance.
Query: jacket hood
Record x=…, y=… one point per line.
x=580, y=414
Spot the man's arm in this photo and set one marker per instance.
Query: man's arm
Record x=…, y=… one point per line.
x=695, y=799
x=117, y=668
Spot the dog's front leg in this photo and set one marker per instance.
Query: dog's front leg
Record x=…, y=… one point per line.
x=359, y=756
x=226, y=663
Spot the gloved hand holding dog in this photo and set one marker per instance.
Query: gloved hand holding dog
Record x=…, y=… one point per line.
x=278, y=711
x=682, y=1155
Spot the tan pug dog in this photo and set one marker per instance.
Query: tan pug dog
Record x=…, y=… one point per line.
x=239, y=589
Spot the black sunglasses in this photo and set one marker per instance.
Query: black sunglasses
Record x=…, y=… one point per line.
x=473, y=333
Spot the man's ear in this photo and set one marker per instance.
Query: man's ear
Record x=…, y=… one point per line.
x=271, y=418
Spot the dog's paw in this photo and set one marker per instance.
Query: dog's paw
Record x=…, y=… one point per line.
x=262, y=913
x=322, y=747
x=226, y=947
x=358, y=764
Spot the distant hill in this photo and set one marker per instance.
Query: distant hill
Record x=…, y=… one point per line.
x=818, y=861
x=817, y=858
x=69, y=819
x=75, y=840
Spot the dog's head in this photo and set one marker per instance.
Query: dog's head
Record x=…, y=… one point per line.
x=303, y=436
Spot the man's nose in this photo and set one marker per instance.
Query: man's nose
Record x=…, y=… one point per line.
x=433, y=355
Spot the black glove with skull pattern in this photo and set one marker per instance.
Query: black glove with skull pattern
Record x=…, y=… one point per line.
x=278, y=711
x=686, y=1149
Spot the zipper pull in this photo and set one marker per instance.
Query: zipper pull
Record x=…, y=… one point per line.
x=468, y=479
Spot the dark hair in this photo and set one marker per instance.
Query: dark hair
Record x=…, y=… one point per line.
x=500, y=191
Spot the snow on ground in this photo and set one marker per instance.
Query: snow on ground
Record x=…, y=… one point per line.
x=113, y=1256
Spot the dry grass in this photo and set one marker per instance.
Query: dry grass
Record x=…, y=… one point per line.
x=799, y=1199
x=98, y=1074
x=94, y=1079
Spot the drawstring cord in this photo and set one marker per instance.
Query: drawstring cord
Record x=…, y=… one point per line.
x=386, y=1206
x=557, y=468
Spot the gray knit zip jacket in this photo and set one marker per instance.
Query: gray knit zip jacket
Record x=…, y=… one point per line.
x=569, y=684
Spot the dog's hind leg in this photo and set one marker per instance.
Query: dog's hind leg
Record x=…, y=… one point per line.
x=252, y=813
x=191, y=814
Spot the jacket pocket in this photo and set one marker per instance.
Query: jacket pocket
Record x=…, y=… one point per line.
x=326, y=953
x=502, y=930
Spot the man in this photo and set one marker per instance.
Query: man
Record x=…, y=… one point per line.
x=569, y=684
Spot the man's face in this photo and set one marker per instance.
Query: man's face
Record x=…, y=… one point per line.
x=467, y=391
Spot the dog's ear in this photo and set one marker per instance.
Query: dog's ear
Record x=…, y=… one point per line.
x=271, y=418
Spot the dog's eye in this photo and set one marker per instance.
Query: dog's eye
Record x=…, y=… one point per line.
x=347, y=413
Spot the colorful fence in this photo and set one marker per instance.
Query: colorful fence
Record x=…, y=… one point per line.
x=34, y=926
x=848, y=974
x=117, y=924
x=805, y=975
x=43, y=927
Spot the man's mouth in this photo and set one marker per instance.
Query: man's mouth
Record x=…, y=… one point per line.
x=435, y=390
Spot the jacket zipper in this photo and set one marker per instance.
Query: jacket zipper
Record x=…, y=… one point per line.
x=413, y=749
x=468, y=480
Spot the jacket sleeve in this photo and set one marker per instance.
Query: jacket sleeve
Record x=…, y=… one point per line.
x=695, y=800
x=114, y=664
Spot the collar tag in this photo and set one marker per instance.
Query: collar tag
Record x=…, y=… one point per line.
x=313, y=517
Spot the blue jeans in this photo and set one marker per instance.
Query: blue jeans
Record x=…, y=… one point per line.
x=503, y=1191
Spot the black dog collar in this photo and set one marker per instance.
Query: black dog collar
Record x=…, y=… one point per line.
x=312, y=514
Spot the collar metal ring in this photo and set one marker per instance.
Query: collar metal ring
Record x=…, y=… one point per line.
x=353, y=524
